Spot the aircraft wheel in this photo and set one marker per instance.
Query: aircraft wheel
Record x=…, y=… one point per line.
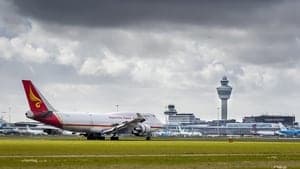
x=90, y=137
x=95, y=137
x=114, y=138
x=148, y=138
x=101, y=138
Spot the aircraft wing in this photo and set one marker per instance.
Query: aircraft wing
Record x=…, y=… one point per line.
x=125, y=124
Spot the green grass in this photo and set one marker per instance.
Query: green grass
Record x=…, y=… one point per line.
x=81, y=154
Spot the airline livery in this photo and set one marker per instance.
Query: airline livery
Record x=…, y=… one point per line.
x=288, y=132
x=95, y=126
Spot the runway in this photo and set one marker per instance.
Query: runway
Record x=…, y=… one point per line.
x=131, y=155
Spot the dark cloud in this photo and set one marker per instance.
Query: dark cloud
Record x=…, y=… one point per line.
x=11, y=25
x=128, y=12
x=100, y=53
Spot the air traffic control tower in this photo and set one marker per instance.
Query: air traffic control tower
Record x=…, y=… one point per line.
x=224, y=92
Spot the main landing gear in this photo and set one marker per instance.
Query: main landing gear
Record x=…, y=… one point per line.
x=148, y=137
x=114, y=137
x=95, y=137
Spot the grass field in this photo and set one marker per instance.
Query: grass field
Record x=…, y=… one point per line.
x=81, y=154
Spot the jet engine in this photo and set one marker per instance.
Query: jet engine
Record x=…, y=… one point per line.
x=141, y=130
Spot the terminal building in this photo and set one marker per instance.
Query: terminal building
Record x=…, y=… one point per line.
x=240, y=129
x=233, y=128
x=183, y=119
x=174, y=118
x=188, y=122
x=220, y=122
x=2, y=122
x=251, y=125
x=285, y=120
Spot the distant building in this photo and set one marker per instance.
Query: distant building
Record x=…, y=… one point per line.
x=228, y=129
x=183, y=118
x=285, y=120
x=171, y=110
x=220, y=122
x=175, y=118
x=2, y=122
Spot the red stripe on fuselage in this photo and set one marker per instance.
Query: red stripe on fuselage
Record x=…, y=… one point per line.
x=98, y=125
x=88, y=125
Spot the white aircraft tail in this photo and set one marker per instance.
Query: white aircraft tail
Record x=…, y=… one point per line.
x=179, y=129
x=282, y=127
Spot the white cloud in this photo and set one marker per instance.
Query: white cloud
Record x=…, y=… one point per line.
x=6, y=50
x=17, y=47
x=108, y=64
x=66, y=53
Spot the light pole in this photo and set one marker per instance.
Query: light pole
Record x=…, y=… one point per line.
x=9, y=114
x=218, y=127
x=117, y=106
x=2, y=115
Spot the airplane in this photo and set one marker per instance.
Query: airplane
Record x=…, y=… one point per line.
x=25, y=131
x=69, y=133
x=30, y=131
x=95, y=126
x=179, y=132
x=257, y=132
x=264, y=133
x=188, y=134
x=288, y=132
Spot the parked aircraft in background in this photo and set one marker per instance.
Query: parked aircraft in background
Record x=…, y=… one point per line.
x=9, y=131
x=22, y=131
x=188, y=134
x=30, y=131
x=163, y=133
x=288, y=132
x=264, y=133
x=179, y=132
x=93, y=125
x=257, y=132
x=69, y=133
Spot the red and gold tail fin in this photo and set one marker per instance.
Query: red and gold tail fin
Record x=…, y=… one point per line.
x=40, y=109
x=36, y=101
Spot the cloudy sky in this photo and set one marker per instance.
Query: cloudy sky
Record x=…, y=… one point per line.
x=143, y=55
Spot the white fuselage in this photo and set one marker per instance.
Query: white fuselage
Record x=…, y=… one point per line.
x=266, y=133
x=96, y=122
